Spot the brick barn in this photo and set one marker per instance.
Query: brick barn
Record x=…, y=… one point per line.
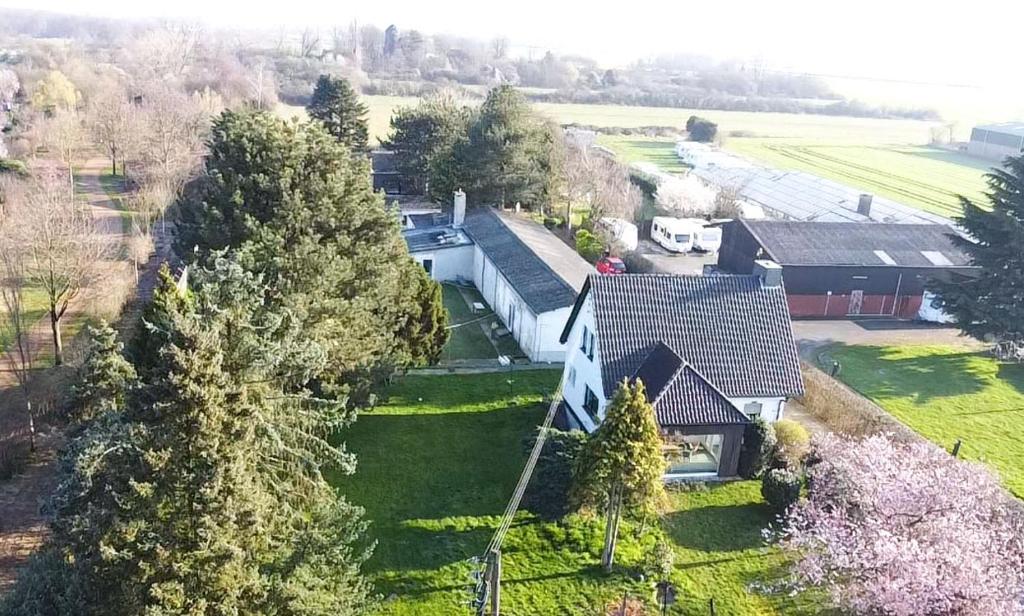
x=847, y=269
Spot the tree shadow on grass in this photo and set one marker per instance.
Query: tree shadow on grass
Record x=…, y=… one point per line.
x=718, y=528
x=1013, y=375
x=878, y=373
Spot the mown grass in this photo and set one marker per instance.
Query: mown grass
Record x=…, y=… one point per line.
x=114, y=186
x=928, y=178
x=633, y=149
x=438, y=460
x=467, y=340
x=36, y=306
x=947, y=394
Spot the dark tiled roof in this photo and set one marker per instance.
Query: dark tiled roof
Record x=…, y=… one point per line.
x=730, y=329
x=533, y=279
x=680, y=395
x=835, y=243
x=435, y=238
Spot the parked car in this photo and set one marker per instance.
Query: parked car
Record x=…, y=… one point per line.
x=611, y=266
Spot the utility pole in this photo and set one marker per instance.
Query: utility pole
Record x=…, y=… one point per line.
x=495, y=583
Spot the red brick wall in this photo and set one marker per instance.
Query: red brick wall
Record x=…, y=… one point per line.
x=839, y=305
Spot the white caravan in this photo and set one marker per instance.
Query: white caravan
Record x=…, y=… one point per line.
x=622, y=232
x=709, y=239
x=674, y=234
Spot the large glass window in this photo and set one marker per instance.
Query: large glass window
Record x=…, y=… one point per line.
x=698, y=453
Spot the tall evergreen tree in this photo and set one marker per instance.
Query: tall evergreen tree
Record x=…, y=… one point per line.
x=299, y=209
x=424, y=139
x=153, y=329
x=104, y=378
x=205, y=494
x=511, y=154
x=622, y=465
x=336, y=104
x=991, y=305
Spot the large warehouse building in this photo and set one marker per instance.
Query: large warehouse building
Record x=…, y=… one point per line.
x=838, y=270
x=997, y=141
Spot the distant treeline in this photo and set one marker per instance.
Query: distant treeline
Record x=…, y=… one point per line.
x=684, y=99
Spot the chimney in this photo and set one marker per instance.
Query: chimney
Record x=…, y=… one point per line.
x=459, y=212
x=864, y=205
x=769, y=272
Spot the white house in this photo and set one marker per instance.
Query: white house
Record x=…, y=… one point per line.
x=528, y=276
x=713, y=353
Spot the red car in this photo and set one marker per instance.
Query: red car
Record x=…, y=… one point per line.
x=611, y=266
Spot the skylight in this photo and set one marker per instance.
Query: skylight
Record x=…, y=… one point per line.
x=884, y=256
x=936, y=258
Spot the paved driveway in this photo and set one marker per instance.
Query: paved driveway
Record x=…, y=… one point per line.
x=674, y=263
x=811, y=335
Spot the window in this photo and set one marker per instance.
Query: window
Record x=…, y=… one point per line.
x=572, y=377
x=428, y=264
x=698, y=453
x=682, y=238
x=752, y=409
x=590, y=403
x=587, y=342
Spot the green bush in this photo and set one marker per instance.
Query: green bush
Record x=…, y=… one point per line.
x=758, y=445
x=792, y=442
x=780, y=488
x=11, y=165
x=701, y=129
x=589, y=245
x=547, y=494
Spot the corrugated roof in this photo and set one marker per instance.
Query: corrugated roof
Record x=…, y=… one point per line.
x=802, y=196
x=544, y=271
x=1007, y=128
x=869, y=244
x=730, y=329
x=680, y=395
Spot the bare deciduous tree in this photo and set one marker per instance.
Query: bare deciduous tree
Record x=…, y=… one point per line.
x=63, y=252
x=63, y=135
x=600, y=183
x=309, y=43
x=110, y=118
x=262, y=86
x=16, y=324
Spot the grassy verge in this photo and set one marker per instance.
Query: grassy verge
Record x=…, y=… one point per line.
x=947, y=394
x=437, y=463
x=467, y=340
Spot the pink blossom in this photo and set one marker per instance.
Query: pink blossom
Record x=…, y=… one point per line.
x=905, y=529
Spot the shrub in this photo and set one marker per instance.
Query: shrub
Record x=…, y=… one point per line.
x=780, y=488
x=758, y=444
x=547, y=493
x=659, y=562
x=589, y=245
x=13, y=166
x=701, y=129
x=792, y=443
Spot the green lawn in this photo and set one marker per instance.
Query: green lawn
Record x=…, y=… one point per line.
x=928, y=178
x=945, y=394
x=439, y=459
x=36, y=307
x=632, y=149
x=467, y=341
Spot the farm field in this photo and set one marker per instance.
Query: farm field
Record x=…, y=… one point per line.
x=830, y=129
x=924, y=177
x=634, y=149
x=946, y=393
x=437, y=463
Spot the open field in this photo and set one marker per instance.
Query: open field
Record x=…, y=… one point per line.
x=924, y=177
x=437, y=463
x=830, y=129
x=946, y=393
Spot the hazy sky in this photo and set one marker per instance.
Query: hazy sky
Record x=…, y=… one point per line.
x=933, y=41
